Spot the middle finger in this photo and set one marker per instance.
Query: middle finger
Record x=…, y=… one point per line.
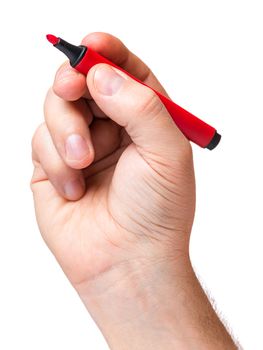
x=68, y=124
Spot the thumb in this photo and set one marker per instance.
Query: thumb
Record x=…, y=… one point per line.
x=138, y=109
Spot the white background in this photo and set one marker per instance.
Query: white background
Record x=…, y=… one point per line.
x=208, y=54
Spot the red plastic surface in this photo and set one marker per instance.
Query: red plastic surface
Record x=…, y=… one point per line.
x=52, y=39
x=192, y=127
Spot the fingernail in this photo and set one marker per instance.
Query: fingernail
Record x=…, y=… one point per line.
x=74, y=189
x=107, y=81
x=76, y=147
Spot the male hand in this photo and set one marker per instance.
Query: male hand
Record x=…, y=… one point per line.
x=114, y=194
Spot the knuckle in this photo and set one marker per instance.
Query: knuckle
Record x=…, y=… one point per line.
x=47, y=100
x=187, y=150
x=150, y=105
x=65, y=66
x=184, y=154
x=47, y=104
x=37, y=137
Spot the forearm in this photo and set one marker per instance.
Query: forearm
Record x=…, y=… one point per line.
x=156, y=306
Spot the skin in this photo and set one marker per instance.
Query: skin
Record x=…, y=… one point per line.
x=117, y=212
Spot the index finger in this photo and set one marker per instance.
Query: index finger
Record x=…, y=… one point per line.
x=112, y=48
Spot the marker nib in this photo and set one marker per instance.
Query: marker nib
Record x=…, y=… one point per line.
x=52, y=39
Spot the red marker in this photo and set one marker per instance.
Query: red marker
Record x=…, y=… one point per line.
x=83, y=58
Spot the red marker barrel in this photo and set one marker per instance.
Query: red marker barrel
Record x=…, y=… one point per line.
x=194, y=129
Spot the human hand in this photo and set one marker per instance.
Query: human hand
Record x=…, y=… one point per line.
x=114, y=188
x=138, y=196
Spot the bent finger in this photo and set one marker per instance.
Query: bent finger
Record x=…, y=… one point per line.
x=68, y=182
x=70, y=85
x=68, y=124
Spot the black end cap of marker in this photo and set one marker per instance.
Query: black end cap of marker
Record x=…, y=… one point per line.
x=214, y=142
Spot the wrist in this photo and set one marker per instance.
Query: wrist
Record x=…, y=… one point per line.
x=133, y=304
x=154, y=304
